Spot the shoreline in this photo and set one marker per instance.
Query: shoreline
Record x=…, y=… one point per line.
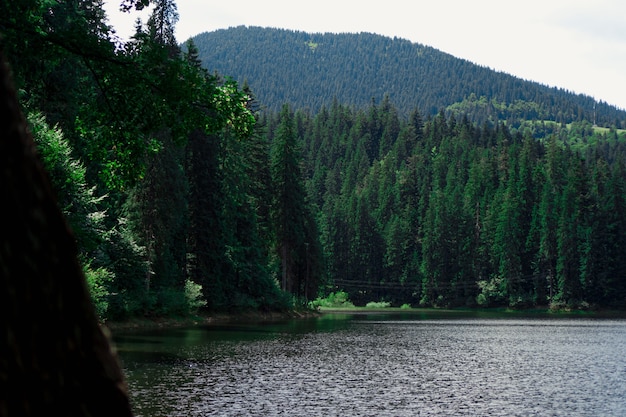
x=487, y=310
x=215, y=319
x=208, y=319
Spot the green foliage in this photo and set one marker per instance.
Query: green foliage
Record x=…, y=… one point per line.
x=296, y=232
x=75, y=197
x=413, y=75
x=169, y=302
x=184, y=197
x=339, y=299
x=378, y=304
x=482, y=109
x=125, y=257
x=463, y=216
x=173, y=149
x=492, y=292
x=98, y=280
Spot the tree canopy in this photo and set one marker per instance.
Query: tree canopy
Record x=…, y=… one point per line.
x=310, y=70
x=451, y=214
x=361, y=163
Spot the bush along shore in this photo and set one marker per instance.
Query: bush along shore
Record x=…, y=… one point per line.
x=339, y=302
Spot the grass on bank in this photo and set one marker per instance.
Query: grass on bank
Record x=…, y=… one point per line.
x=340, y=301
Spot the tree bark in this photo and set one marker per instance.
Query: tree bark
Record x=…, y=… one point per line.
x=54, y=356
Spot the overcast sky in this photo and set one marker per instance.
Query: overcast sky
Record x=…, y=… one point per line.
x=579, y=45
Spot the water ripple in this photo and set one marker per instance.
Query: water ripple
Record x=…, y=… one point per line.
x=451, y=368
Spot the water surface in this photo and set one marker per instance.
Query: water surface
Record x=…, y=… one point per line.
x=381, y=365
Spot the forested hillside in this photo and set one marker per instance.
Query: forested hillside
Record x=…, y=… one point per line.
x=310, y=70
x=455, y=186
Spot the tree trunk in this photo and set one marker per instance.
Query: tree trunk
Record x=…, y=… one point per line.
x=54, y=356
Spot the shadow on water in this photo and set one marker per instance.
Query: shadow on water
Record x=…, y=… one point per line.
x=178, y=344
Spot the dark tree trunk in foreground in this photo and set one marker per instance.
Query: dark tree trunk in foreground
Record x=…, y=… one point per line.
x=54, y=357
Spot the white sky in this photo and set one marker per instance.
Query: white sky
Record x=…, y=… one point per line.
x=578, y=45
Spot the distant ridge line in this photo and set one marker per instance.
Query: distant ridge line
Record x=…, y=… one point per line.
x=311, y=70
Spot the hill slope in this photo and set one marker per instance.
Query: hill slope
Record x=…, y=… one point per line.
x=310, y=70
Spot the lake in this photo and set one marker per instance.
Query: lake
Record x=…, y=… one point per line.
x=413, y=364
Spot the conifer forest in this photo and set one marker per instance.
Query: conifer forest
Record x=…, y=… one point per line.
x=186, y=190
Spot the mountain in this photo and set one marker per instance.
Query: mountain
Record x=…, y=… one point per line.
x=310, y=70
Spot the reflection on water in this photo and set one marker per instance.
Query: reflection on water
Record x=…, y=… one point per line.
x=381, y=365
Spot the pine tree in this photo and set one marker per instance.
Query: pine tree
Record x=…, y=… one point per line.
x=157, y=210
x=567, y=272
x=162, y=22
x=289, y=199
x=206, y=247
x=509, y=237
x=615, y=272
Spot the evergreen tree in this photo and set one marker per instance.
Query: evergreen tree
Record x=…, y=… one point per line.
x=614, y=276
x=75, y=197
x=157, y=210
x=512, y=227
x=567, y=272
x=162, y=22
x=289, y=200
x=206, y=247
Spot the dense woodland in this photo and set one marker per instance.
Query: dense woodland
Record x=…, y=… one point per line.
x=157, y=165
x=440, y=212
x=185, y=190
x=309, y=70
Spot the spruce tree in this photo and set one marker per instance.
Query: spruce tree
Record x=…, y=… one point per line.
x=289, y=198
